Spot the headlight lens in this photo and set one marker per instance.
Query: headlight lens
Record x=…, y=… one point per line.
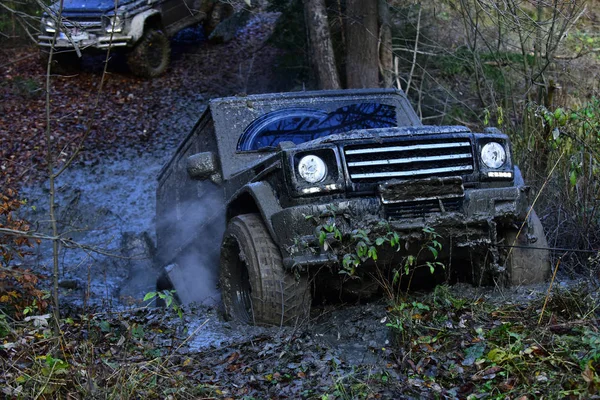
x=493, y=155
x=48, y=25
x=312, y=169
x=115, y=24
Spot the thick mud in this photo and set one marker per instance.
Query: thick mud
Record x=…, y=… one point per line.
x=107, y=207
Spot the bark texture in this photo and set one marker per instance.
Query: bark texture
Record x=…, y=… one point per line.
x=362, y=35
x=386, y=56
x=321, y=49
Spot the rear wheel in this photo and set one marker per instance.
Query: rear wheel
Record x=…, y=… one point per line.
x=254, y=285
x=151, y=55
x=219, y=13
x=526, y=261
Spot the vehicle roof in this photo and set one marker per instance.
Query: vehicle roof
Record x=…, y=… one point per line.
x=312, y=94
x=233, y=114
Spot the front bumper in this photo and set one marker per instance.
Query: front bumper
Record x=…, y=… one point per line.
x=473, y=221
x=101, y=42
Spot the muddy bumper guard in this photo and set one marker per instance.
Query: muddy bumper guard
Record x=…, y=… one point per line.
x=473, y=216
x=98, y=42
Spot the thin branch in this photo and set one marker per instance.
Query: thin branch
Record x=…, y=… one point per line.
x=414, y=62
x=66, y=242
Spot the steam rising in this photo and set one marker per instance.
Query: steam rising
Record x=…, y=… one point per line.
x=189, y=242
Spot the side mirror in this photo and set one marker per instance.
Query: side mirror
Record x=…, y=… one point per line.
x=203, y=166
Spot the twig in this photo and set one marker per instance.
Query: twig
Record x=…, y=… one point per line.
x=67, y=243
x=50, y=161
x=548, y=292
x=185, y=341
x=414, y=62
x=426, y=53
x=397, y=72
x=533, y=203
x=46, y=383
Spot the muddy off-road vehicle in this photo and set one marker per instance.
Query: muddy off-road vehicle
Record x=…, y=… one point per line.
x=286, y=166
x=140, y=28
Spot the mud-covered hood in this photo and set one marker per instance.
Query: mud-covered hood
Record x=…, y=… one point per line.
x=380, y=134
x=87, y=6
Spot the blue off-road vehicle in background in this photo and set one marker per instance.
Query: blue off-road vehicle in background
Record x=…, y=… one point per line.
x=139, y=28
x=284, y=166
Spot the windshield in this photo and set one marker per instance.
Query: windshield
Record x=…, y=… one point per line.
x=299, y=125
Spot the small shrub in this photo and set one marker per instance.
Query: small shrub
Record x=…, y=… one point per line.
x=560, y=149
x=19, y=291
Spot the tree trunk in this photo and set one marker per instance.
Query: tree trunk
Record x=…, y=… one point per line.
x=321, y=49
x=362, y=60
x=386, y=55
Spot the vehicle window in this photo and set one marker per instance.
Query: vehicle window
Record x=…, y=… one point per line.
x=301, y=125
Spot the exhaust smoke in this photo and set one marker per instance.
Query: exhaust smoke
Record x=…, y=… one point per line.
x=189, y=241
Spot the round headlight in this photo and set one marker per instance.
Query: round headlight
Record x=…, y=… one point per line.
x=48, y=25
x=493, y=155
x=312, y=169
x=115, y=24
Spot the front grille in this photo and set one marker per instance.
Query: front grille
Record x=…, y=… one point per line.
x=409, y=159
x=79, y=24
x=420, y=209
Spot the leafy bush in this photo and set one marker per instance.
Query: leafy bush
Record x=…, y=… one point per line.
x=19, y=292
x=559, y=151
x=469, y=347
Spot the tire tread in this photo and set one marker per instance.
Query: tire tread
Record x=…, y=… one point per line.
x=278, y=297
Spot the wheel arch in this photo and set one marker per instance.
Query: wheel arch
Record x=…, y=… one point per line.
x=256, y=197
x=144, y=20
x=519, y=181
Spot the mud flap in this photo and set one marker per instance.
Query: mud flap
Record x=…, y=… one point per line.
x=177, y=278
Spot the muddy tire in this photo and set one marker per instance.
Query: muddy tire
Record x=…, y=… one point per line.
x=219, y=13
x=525, y=266
x=254, y=285
x=66, y=63
x=151, y=55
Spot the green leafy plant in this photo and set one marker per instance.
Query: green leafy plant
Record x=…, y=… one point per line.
x=566, y=145
x=411, y=263
x=354, y=247
x=404, y=316
x=168, y=296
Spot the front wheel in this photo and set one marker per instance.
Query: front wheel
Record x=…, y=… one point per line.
x=151, y=55
x=255, y=287
x=526, y=262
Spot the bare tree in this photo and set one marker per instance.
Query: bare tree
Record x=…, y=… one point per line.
x=362, y=60
x=321, y=49
x=386, y=55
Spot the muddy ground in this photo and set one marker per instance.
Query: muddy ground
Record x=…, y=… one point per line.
x=106, y=202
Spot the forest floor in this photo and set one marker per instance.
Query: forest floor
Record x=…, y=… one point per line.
x=454, y=342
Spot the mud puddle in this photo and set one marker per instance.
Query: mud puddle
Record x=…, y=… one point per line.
x=105, y=207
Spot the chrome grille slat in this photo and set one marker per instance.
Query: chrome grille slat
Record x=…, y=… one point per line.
x=409, y=158
x=82, y=24
x=407, y=148
x=420, y=172
x=90, y=26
